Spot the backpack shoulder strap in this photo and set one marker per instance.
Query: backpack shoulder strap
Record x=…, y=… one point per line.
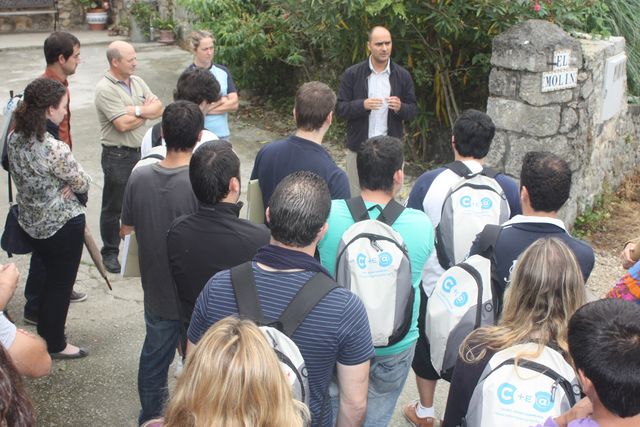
x=489, y=172
x=488, y=239
x=305, y=300
x=473, y=272
x=357, y=208
x=244, y=287
x=156, y=134
x=391, y=212
x=459, y=168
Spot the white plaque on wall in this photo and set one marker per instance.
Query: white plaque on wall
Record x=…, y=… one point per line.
x=565, y=78
x=561, y=59
x=613, y=86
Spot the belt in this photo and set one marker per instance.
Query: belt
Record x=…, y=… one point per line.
x=122, y=147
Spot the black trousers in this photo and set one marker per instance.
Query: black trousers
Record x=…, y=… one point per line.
x=60, y=254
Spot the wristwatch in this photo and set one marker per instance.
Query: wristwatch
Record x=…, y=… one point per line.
x=137, y=111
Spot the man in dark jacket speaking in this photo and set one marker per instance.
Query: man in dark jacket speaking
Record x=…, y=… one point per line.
x=375, y=96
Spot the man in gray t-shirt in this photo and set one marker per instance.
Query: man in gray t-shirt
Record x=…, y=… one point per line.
x=155, y=196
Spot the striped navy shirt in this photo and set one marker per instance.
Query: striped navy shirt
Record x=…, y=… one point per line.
x=336, y=330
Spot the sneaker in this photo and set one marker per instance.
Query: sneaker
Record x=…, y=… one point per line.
x=409, y=412
x=30, y=319
x=77, y=296
x=111, y=264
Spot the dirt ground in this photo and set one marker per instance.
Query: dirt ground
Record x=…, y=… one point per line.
x=607, y=237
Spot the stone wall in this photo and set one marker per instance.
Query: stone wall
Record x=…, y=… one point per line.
x=72, y=16
x=548, y=92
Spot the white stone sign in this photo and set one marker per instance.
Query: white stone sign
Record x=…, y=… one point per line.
x=613, y=85
x=561, y=59
x=559, y=79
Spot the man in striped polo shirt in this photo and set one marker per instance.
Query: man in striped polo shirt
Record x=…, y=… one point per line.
x=335, y=334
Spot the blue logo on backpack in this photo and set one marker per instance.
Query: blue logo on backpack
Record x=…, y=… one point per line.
x=385, y=259
x=544, y=402
x=461, y=299
x=448, y=284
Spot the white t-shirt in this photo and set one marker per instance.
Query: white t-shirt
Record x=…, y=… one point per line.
x=146, y=146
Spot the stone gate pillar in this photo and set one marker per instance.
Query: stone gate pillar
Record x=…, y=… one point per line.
x=550, y=91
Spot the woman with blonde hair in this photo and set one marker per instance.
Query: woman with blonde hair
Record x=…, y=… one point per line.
x=233, y=379
x=547, y=287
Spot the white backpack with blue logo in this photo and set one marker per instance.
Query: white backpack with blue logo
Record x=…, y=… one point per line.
x=522, y=395
x=476, y=200
x=464, y=299
x=373, y=263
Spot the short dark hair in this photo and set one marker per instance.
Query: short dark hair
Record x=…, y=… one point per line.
x=197, y=85
x=473, y=132
x=212, y=166
x=298, y=209
x=59, y=43
x=547, y=178
x=314, y=102
x=182, y=122
x=378, y=160
x=604, y=341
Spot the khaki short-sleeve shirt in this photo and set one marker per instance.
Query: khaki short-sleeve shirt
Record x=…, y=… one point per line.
x=111, y=101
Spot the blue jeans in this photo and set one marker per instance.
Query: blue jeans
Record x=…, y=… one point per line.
x=158, y=351
x=387, y=376
x=117, y=164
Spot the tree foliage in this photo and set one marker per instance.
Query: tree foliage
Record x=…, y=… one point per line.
x=445, y=44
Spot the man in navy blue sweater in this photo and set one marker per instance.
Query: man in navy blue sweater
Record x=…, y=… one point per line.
x=303, y=151
x=545, y=184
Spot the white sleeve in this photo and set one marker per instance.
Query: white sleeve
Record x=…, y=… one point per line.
x=145, y=146
x=7, y=332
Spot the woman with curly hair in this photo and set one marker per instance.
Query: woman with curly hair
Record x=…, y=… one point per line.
x=233, y=379
x=48, y=177
x=15, y=406
x=547, y=287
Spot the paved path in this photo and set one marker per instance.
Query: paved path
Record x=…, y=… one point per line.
x=102, y=389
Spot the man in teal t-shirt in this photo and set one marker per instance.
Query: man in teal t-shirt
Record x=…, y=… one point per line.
x=380, y=172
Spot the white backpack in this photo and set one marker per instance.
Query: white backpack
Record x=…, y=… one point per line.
x=373, y=263
x=7, y=123
x=464, y=299
x=473, y=202
x=521, y=396
x=279, y=331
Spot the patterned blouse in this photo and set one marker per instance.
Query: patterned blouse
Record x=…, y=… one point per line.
x=40, y=171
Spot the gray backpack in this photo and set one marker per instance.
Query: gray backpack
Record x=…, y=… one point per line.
x=522, y=391
x=373, y=263
x=473, y=202
x=278, y=332
x=464, y=299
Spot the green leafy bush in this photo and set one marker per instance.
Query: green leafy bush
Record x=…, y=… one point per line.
x=445, y=44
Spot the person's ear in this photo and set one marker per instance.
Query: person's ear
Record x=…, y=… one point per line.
x=267, y=215
x=585, y=382
x=329, y=119
x=61, y=59
x=322, y=232
x=199, y=138
x=524, y=195
x=234, y=185
x=398, y=177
